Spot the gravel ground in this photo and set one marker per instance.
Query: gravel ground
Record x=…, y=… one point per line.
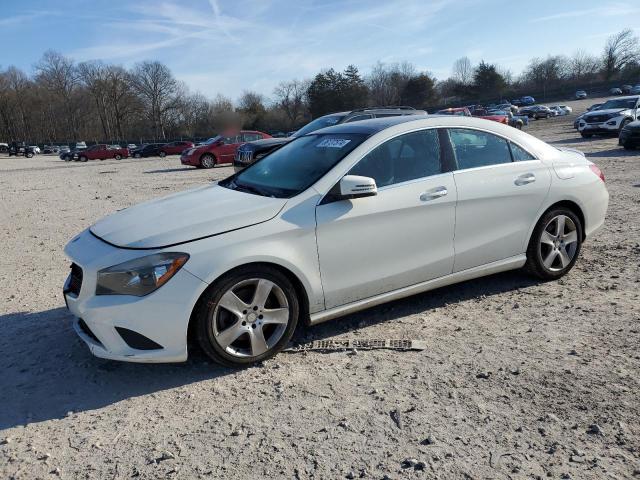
x=519, y=379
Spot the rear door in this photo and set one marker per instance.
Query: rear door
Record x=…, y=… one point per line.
x=400, y=237
x=501, y=188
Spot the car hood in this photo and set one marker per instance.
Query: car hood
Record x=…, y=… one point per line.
x=605, y=112
x=184, y=217
x=265, y=143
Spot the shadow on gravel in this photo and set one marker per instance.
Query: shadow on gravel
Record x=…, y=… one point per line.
x=614, y=152
x=421, y=303
x=47, y=371
x=171, y=170
x=575, y=140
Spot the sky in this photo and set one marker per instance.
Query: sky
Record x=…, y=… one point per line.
x=228, y=46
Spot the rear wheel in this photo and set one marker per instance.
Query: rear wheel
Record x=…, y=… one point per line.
x=83, y=159
x=247, y=316
x=628, y=146
x=118, y=157
x=207, y=161
x=162, y=154
x=624, y=123
x=555, y=244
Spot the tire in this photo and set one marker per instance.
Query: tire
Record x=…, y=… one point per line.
x=628, y=146
x=137, y=155
x=207, y=161
x=586, y=135
x=29, y=155
x=228, y=338
x=82, y=159
x=552, y=253
x=162, y=154
x=118, y=157
x=623, y=124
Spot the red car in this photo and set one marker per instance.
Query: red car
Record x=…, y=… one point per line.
x=219, y=149
x=500, y=118
x=460, y=111
x=174, y=148
x=102, y=152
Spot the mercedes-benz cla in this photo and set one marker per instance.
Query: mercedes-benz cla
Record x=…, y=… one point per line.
x=335, y=221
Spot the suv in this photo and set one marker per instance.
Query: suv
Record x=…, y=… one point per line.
x=220, y=149
x=252, y=151
x=612, y=116
x=175, y=148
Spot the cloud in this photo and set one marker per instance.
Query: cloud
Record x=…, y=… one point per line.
x=605, y=11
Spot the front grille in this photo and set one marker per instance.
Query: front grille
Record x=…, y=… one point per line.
x=75, y=280
x=244, y=156
x=597, y=119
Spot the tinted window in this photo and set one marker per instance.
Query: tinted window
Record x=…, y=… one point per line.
x=407, y=157
x=475, y=148
x=230, y=140
x=318, y=123
x=383, y=115
x=250, y=137
x=296, y=166
x=519, y=154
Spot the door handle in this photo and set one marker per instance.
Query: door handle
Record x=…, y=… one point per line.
x=525, y=179
x=433, y=194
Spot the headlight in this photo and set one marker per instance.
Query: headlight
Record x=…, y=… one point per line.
x=141, y=276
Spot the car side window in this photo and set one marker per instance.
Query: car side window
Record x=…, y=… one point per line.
x=230, y=140
x=403, y=158
x=475, y=148
x=357, y=118
x=250, y=137
x=520, y=154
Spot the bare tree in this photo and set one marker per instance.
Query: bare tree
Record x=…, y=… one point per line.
x=158, y=90
x=462, y=71
x=290, y=97
x=619, y=50
x=581, y=65
x=386, y=83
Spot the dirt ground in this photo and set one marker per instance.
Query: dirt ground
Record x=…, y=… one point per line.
x=519, y=380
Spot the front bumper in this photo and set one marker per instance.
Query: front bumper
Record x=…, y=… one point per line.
x=104, y=321
x=192, y=160
x=609, y=126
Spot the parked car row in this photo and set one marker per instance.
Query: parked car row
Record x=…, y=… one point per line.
x=611, y=117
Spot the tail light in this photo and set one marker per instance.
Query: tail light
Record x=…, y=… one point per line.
x=597, y=171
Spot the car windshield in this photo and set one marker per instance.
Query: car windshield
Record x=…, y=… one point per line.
x=212, y=140
x=296, y=166
x=619, y=103
x=318, y=123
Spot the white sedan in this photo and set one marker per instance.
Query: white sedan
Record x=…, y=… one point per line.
x=335, y=221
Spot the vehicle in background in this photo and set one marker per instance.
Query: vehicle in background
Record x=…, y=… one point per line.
x=81, y=145
x=36, y=149
x=132, y=146
x=615, y=91
x=220, y=149
x=516, y=121
x=68, y=154
x=629, y=136
x=592, y=108
x=626, y=88
x=460, y=111
x=4, y=147
x=523, y=101
x=612, y=116
x=329, y=224
x=174, y=148
x=252, y=151
x=536, y=112
x=635, y=90
x=48, y=149
x=498, y=116
x=580, y=94
x=561, y=109
x=147, y=150
x=19, y=149
x=507, y=106
x=102, y=152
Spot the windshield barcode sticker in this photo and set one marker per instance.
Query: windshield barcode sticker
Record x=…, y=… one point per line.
x=333, y=143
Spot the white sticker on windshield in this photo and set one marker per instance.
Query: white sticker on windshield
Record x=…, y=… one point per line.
x=333, y=143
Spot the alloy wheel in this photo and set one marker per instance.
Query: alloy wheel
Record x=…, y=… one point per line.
x=558, y=243
x=207, y=161
x=250, y=318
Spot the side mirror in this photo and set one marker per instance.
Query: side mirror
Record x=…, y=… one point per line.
x=355, y=186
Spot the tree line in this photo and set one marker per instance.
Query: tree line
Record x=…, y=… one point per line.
x=63, y=101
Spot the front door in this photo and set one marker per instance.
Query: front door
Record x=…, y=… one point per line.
x=401, y=236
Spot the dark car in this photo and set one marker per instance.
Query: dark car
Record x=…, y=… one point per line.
x=19, y=149
x=629, y=136
x=252, y=151
x=174, y=148
x=148, y=150
x=536, y=112
x=69, y=155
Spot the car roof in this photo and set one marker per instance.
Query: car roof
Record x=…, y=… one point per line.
x=630, y=97
x=371, y=126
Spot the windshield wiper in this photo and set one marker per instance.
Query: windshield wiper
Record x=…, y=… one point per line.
x=250, y=189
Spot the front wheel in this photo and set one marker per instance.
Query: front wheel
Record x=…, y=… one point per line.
x=247, y=316
x=207, y=161
x=555, y=244
x=29, y=155
x=162, y=154
x=118, y=157
x=83, y=159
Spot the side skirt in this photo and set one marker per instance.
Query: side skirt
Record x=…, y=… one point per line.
x=510, y=263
